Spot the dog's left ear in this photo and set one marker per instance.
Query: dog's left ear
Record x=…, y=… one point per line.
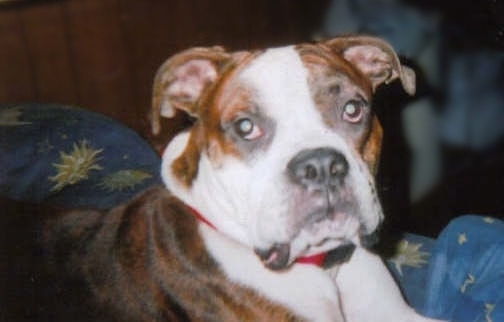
x=375, y=58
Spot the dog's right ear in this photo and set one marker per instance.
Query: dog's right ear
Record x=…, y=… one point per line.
x=181, y=80
x=375, y=58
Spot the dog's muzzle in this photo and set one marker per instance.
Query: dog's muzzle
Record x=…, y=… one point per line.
x=319, y=176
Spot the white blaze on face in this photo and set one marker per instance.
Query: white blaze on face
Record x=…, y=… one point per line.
x=252, y=201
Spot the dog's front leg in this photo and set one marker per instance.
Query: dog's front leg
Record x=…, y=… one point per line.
x=369, y=293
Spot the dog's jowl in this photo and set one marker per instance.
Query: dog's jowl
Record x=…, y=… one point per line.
x=276, y=171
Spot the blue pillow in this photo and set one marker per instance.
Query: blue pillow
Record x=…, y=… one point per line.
x=71, y=157
x=458, y=277
x=409, y=266
x=466, y=272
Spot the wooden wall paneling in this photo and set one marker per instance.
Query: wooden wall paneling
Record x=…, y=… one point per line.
x=269, y=26
x=154, y=31
x=279, y=24
x=221, y=22
x=240, y=24
x=47, y=47
x=16, y=75
x=101, y=59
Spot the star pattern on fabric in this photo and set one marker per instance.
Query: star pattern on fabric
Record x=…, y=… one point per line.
x=124, y=179
x=408, y=254
x=489, y=220
x=488, y=311
x=462, y=238
x=44, y=146
x=76, y=165
x=468, y=281
x=12, y=117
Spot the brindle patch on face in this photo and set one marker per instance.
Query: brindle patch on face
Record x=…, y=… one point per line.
x=219, y=101
x=372, y=146
x=228, y=102
x=221, y=105
x=185, y=167
x=238, y=103
x=333, y=82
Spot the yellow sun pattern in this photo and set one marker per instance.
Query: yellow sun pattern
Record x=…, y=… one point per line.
x=488, y=311
x=467, y=282
x=462, y=238
x=12, y=117
x=123, y=179
x=75, y=166
x=471, y=279
x=489, y=220
x=408, y=254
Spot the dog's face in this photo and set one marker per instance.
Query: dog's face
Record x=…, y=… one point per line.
x=285, y=144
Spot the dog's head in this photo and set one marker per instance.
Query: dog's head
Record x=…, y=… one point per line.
x=284, y=147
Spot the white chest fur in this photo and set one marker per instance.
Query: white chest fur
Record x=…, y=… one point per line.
x=307, y=290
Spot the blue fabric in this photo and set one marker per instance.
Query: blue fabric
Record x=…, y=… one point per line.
x=458, y=277
x=466, y=272
x=71, y=157
x=409, y=267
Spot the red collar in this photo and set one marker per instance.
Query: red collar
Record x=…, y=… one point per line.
x=317, y=259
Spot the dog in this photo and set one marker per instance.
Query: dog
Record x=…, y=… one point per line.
x=268, y=205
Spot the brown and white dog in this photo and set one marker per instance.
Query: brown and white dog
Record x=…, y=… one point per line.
x=280, y=163
x=276, y=171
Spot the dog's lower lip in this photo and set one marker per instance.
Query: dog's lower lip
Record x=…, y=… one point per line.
x=276, y=257
x=272, y=257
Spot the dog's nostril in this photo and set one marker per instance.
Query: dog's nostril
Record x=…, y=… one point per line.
x=338, y=168
x=311, y=172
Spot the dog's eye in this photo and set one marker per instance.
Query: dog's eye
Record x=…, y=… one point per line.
x=247, y=129
x=353, y=111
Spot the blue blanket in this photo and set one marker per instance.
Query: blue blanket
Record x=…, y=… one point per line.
x=71, y=157
x=459, y=276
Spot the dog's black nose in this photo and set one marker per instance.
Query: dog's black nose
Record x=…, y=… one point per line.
x=319, y=168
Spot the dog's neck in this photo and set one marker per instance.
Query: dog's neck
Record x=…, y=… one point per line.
x=316, y=259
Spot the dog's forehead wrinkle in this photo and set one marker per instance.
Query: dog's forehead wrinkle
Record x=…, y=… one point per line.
x=279, y=79
x=280, y=82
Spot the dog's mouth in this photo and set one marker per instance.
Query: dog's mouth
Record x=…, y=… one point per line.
x=313, y=238
x=320, y=217
x=318, y=228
